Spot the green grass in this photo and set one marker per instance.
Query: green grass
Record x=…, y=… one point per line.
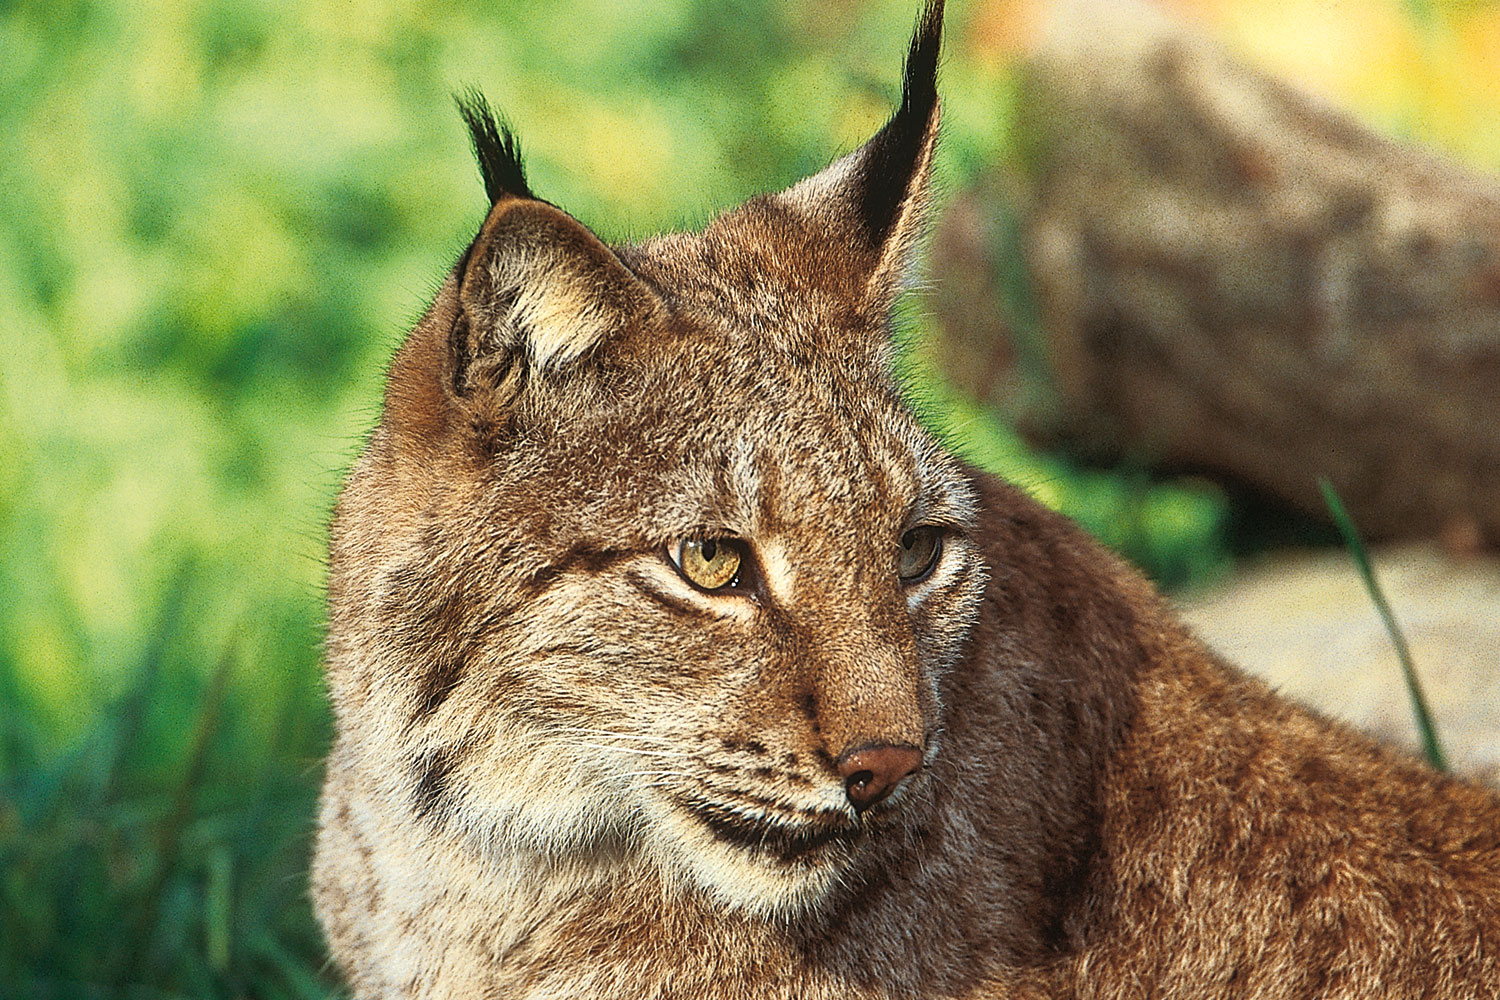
x=1422, y=716
x=163, y=852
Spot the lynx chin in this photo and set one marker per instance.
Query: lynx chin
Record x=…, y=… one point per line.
x=671, y=658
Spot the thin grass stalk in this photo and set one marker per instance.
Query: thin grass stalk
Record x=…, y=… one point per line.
x=169, y=839
x=132, y=711
x=1425, y=727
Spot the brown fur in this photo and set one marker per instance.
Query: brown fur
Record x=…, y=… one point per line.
x=562, y=771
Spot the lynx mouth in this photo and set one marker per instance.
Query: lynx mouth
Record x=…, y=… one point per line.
x=774, y=839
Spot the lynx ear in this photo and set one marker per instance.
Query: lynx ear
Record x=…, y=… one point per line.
x=876, y=197
x=537, y=289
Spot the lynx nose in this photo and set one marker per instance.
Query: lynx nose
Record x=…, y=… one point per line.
x=871, y=773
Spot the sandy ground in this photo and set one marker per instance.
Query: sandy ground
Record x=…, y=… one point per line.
x=1305, y=623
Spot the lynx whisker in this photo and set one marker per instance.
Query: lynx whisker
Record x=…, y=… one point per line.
x=669, y=785
x=638, y=751
x=610, y=734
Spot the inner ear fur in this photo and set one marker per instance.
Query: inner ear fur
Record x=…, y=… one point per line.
x=537, y=291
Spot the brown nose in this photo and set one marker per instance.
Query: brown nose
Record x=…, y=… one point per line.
x=873, y=772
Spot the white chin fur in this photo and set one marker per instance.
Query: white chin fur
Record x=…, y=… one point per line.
x=739, y=879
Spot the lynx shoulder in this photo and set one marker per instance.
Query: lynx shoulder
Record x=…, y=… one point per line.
x=670, y=657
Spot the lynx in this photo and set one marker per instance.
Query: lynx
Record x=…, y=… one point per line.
x=671, y=657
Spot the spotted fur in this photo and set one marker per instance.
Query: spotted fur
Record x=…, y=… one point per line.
x=562, y=770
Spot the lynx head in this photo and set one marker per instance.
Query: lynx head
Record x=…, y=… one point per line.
x=646, y=559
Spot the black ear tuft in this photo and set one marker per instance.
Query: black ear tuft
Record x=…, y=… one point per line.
x=495, y=147
x=919, y=84
x=891, y=154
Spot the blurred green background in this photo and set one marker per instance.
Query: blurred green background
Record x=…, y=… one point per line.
x=217, y=219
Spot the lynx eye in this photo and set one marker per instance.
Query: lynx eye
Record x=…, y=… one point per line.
x=918, y=553
x=709, y=563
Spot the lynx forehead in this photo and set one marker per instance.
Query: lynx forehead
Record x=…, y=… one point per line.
x=670, y=657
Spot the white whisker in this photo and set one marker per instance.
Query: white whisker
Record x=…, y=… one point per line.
x=656, y=784
x=674, y=754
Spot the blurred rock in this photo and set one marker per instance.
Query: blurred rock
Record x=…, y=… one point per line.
x=1229, y=276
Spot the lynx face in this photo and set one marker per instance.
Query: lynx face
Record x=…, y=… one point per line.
x=703, y=719
x=647, y=563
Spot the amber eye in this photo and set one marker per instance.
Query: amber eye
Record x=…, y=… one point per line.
x=918, y=553
x=709, y=563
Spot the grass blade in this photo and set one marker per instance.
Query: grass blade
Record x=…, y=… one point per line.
x=1430, y=747
x=136, y=957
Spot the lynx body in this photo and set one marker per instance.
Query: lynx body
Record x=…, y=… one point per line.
x=671, y=658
